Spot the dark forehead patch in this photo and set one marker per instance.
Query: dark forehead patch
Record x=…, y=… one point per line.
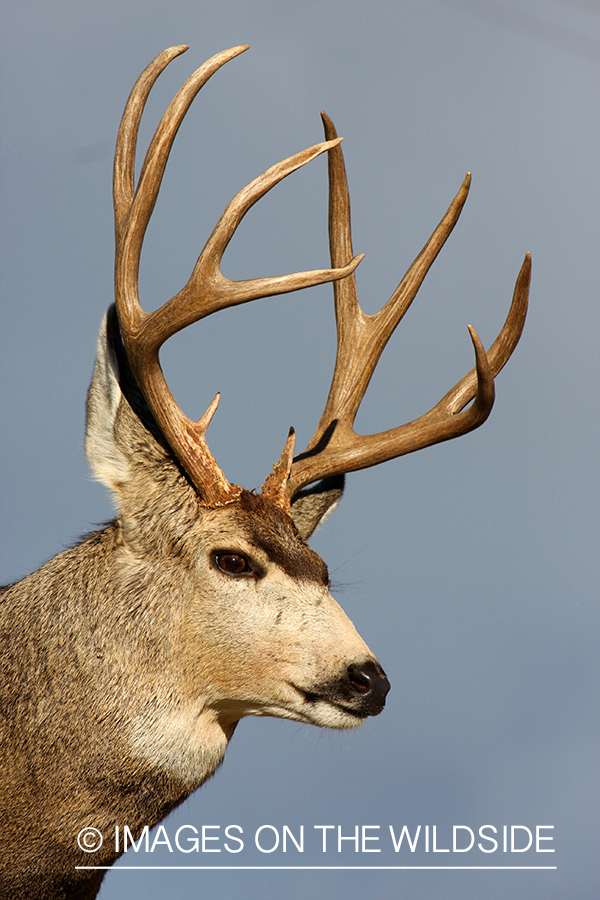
x=270, y=528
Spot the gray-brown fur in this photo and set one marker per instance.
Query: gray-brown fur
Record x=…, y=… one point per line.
x=115, y=649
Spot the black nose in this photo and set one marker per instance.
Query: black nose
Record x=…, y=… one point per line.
x=369, y=686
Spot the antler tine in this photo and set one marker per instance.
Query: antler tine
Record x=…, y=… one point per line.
x=502, y=348
x=275, y=486
x=335, y=448
x=124, y=164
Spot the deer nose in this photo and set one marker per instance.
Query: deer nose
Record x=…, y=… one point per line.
x=369, y=685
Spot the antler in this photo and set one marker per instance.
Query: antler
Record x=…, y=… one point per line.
x=335, y=448
x=207, y=289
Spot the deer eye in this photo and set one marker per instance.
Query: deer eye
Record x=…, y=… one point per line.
x=233, y=564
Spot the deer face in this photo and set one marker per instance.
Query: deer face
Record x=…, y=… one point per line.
x=287, y=648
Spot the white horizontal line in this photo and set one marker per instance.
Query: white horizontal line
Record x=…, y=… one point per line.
x=309, y=868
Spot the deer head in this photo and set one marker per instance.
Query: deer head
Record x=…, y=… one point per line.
x=303, y=658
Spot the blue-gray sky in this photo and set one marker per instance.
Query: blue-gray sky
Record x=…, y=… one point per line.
x=470, y=568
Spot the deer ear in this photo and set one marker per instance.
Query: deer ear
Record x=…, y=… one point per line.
x=121, y=434
x=313, y=504
x=107, y=459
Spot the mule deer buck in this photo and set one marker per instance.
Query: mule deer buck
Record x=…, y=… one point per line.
x=128, y=660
